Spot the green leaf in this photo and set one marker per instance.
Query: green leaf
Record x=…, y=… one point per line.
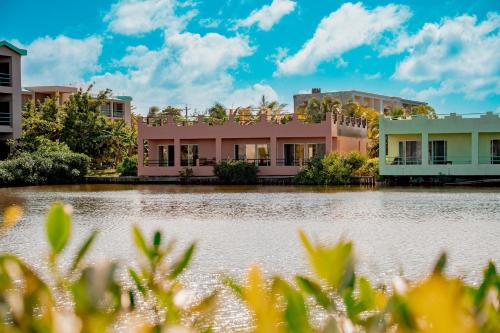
x=182, y=262
x=296, y=314
x=157, y=239
x=440, y=264
x=312, y=288
x=137, y=281
x=83, y=250
x=58, y=227
x=233, y=285
x=140, y=242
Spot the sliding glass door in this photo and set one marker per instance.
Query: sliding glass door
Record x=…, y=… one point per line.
x=438, y=152
x=495, y=151
x=410, y=152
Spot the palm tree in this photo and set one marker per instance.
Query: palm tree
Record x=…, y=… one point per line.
x=217, y=113
x=271, y=109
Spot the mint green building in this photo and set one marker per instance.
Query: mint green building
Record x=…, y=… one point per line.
x=452, y=145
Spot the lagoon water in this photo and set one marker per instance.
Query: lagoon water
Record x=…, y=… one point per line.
x=395, y=230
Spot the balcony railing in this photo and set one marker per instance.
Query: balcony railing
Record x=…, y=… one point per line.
x=5, y=118
x=450, y=159
x=159, y=163
x=397, y=160
x=489, y=159
x=118, y=114
x=5, y=79
x=106, y=112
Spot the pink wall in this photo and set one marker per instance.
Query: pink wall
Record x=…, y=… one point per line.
x=218, y=141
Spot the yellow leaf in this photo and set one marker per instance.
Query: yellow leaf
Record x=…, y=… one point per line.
x=261, y=302
x=11, y=216
x=439, y=305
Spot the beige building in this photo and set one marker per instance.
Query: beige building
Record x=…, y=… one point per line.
x=375, y=101
x=10, y=94
x=115, y=107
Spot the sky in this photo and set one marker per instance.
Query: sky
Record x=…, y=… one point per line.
x=197, y=52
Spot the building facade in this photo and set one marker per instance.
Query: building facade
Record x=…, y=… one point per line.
x=10, y=94
x=453, y=145
x=115, y=107
x=381, y=103
x=166, y=148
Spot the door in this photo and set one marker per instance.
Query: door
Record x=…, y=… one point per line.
x=289, y=154
x=495, y=151
x=438, y=152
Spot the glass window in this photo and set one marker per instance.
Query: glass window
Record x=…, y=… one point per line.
x=410, y=152
x=166, y=155
x=438, y=152
x=189, y=155
x=251, y=152
x=495, y=151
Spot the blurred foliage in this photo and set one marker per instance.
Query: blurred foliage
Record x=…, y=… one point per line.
x=91, y=298
x=128, y=167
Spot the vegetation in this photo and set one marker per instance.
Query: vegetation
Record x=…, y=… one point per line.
x=128, y=167
x=236, y=172
x=79, y=126
x=44, y=167
x=336, y=169
x=85, y=297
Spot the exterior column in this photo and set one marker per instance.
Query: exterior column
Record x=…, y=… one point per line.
x=382, y=153
x=274, y=151
x=328, y=136
x=475, y=147
x=218, y=150
x=177, y=152
x=381, y=106
x=425, y=148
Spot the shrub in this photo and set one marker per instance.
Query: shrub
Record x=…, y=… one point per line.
x=128, y=167
x=331, y=169
x=236, y=172
x=369, y=168
x=43, y=167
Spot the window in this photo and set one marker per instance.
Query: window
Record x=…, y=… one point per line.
x=258, y=153
x=189, y=155
x=106, y=109
x=166, y=156
x=295, y=153
x=410, y=152
x=438, y=150
x=495, y=151
x=118, y=110
x=5, y=114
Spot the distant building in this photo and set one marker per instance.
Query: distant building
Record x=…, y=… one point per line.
x=166, y=148
x=10, y=94
x=115, y=107
x=452, y=145
x=378, y=102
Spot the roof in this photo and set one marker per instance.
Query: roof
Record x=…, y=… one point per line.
x=13, y=48
x=51, y=89
x=124, y=98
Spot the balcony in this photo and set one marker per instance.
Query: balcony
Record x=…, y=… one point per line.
x=5, y=79
x=5, y=114
x=106, y=111
x=118, y=114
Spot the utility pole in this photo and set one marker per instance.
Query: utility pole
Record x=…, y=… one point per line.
x=186, y=109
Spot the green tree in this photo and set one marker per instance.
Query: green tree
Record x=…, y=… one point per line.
x=424, y=110
x=272, y=110
x=217, y=113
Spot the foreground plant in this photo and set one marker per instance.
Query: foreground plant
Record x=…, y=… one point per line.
x=90, y=298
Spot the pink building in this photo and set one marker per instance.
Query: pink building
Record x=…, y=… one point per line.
x=167, y=148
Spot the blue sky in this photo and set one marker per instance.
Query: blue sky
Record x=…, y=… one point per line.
x=196, y=52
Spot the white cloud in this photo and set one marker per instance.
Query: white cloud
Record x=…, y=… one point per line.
x=209, y=23
x=188, y=69
x=267, y=16
x=373, y=76
x=349, y=27
x=132, y=17
x=60, y=60
x=460, y=54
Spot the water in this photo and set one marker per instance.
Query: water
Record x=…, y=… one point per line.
x=395, y=230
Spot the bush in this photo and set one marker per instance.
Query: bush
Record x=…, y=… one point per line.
x=236, y=172
x=43, y=168
x=332, y=169
x=128, y=167
x=369, y=168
